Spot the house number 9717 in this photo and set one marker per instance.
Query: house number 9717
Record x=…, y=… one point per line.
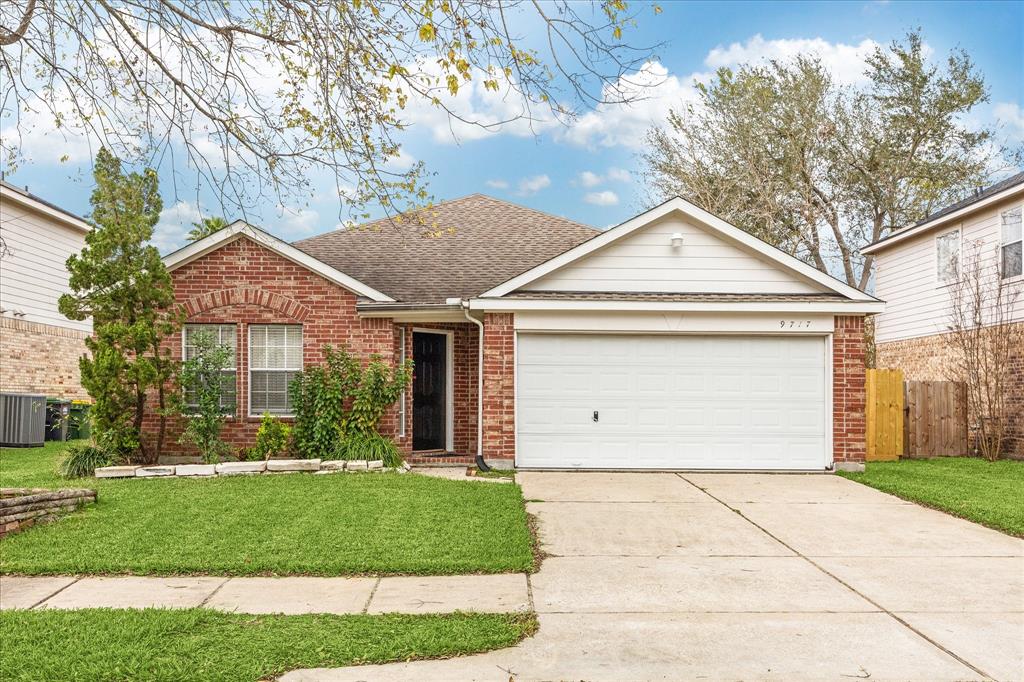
x=794, y=324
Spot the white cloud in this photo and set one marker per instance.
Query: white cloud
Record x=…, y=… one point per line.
x=653, y=89
x=297, y=221
x=497, y=184
x=619, y=175
x=845, y=62
x=175, y=223
x=590, y=179
x=1010, y=118
x=533, y=184
x=605, y=198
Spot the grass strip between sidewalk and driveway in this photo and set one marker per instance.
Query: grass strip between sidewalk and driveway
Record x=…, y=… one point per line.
x=985, y=492
x=200, y=644
x=298, y=524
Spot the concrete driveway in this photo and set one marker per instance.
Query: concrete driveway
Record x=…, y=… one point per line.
x=751, y=577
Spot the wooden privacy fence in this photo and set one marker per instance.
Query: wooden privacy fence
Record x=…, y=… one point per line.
x=884, y=414
x=936, y=423
x=914, y=418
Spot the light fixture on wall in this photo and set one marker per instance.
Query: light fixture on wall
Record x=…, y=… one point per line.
x=677, y=240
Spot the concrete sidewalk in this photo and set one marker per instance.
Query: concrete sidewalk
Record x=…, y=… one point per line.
x=501, y=593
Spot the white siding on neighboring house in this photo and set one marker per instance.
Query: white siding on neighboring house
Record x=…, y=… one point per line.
x=906, y=277
x=646, y=261
x=32, y=275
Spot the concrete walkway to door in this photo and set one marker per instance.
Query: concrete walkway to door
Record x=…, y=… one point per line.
x=755, y=577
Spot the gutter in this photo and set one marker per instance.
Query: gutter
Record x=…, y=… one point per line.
x=480, y=463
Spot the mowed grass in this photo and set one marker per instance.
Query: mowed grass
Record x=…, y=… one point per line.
x=200, y=644
x=297, y=524
x=989, y=493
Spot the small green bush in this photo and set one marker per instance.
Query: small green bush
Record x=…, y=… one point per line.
x=369, y=445
x=272, y=439
x=200, y=402
x=82, y=459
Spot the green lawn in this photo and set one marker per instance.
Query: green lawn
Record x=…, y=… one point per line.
x=200, y=644
x=296, y=524
x=990, y=493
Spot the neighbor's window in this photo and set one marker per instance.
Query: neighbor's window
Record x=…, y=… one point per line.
x=947, y=253
x=275, y=356
x=1010, y=243
x=224, y=335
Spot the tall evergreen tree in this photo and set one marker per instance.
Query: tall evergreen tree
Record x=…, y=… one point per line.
x=120, y=282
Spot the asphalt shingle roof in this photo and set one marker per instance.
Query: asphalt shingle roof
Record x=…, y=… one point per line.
x=483, y=242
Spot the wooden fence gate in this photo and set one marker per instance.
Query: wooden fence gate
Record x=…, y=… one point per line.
x=936, y=423
x=914, y=418
x=884, y=414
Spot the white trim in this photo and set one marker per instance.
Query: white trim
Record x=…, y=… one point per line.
x=248, y=361
x=12, y=193
x=516, y=304
x=240, y=228
x=909, y=232
x=515, y=398
x=710, y=221
x=830, y=448
x=449, y=380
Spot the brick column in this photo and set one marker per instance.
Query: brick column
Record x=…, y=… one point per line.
x=499, y=386
x=848, y=394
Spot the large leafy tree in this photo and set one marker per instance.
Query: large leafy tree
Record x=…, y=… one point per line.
x=254, y=94
x=120, y=282
x=820, y=169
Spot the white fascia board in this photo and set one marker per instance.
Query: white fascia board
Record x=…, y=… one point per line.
x=713, y=222
x=58, y=215
x=498, y=305
x=909, y=232
x=239, y=228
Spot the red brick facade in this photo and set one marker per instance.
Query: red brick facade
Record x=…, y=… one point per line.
x=848, y=420
x=499, y=386
x=930, y=358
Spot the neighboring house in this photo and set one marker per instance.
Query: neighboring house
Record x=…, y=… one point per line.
x=39, y=347
x=672, y=341
x=917, y=270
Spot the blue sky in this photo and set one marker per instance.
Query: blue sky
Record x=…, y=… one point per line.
x=587, y=172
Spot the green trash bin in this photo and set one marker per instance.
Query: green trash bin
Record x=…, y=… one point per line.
x=78, y=421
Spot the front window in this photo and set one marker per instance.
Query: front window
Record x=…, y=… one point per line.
x=947, y=253
x=1010, y=243
x=223, y=335
x=275, y=357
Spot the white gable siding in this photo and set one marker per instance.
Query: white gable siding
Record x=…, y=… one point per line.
x=917, y=304
x=33, y=276
x=646, y=261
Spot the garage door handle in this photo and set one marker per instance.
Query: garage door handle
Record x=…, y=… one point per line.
x=595, y=415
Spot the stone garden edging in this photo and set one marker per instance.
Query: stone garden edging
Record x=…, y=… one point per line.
x=270, y=466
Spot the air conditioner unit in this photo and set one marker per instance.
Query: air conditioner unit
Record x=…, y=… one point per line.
x=22, y=420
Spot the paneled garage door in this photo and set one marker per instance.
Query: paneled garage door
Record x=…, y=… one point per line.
x=596, y=401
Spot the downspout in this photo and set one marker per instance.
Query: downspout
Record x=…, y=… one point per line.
x=480, y=463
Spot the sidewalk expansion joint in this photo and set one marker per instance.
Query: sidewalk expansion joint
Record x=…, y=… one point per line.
x=373, y=591
x=51, y=596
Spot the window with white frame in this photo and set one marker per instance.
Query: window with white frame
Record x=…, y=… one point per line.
x=947, y=257
x=223, y=335
x=275, y=356
x=1010, y=243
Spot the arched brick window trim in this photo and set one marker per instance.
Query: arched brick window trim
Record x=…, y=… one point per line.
x=245, y=296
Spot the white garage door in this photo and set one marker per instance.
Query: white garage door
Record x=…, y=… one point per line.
x=671, y=402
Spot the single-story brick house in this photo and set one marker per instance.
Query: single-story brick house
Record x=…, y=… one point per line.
x=672, y=341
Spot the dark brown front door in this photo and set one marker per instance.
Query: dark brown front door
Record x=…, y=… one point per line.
x=429, y=391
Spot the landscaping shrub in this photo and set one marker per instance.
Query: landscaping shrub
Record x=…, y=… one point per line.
x=272, y=438
x=82, y=459
x=320, y=394
x=369, y=446
x=202, y=381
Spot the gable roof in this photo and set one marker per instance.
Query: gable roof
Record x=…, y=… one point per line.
x=37, y=203
x=989, y=195
x=239, y=229
x=709, y=221
x=489, y=241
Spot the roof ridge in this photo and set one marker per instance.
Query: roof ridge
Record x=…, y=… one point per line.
x=455, y=200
